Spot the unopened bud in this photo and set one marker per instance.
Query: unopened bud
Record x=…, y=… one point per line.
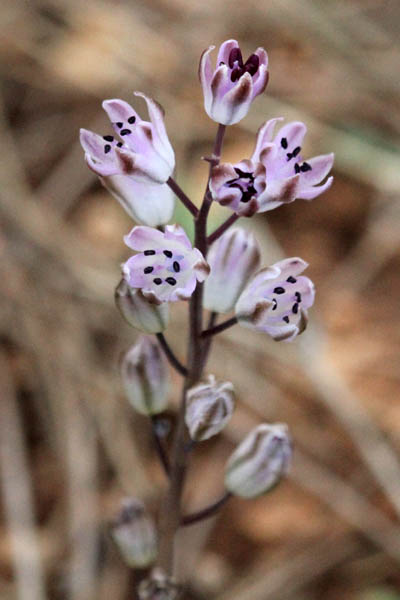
x=134, y=533
x=144, y=374
x=259, y=462
x=138, y=312
x=233, y=259
x=209, y=406
x=159, y=586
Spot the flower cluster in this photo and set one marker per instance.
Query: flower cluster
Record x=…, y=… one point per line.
x=221, y=272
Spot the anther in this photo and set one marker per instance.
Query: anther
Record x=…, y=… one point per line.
x=125, y=131
x=297, y=168
x=149, y=252
x=108, y=138
x=305, y=167
x=296, y=150
x=284, y=143
x=167, y=253
x=171, y=280
x=176, y=266
x=291, y=279
x=132, y=119
x=298, y=296
x=286, y=319
x=119, y=124
x=157, y=281
x=279, y=290
x=107, y=148
x=295, y=308
x=119, y=144
x=275, y=304
x=148, y=270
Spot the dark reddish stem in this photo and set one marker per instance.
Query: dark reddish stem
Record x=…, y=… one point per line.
x=222, y=228
x=186, y=201
x=207, y=512
x=218, y=328
x=174, y=361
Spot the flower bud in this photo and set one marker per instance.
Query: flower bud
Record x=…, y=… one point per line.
x=159, y=586
x=259, y=462
x=145, y=377
x=139, y=312
x=134, y=533
x=209, y=406
x=233, y=259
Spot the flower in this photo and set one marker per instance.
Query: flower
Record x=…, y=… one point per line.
x=276, y=300
x=233, y=259
x=276, y=173
x=134, y=532
x=260, y=460
x=239, y=186
x=167, y=268
x=230, y=89
x=147, y=203
x=143, y=151
x=138, y=311
x=209, y=406
x=144, y=374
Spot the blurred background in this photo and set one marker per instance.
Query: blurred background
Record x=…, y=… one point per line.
x=70, y=447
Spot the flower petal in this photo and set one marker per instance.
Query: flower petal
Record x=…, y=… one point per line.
x=281, y=191
x=98, y=160
x=313, y=192
x=150, y=204
x=235, y=104
x=161, y=141
x=264, y=136
x=320, y=167
x=225, y=50
x=205, y=76
x=143, y=238
x=294, y=133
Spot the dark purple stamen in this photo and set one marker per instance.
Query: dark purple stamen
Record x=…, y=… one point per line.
x=167, y=253
x=279, y=290
x=243, y=174
x=291, y=279
x=119, y=144
x=107, y=148
x=305, y=167
x=298, y=296
x=125, y=131
x=149, y=252
x=289, y=156
x=119, y=124
x=132, y=119
x=108, y=138
x=235, y=62
x=295, y=308
x=296, y=150
x=176, y=266
x=284, y=143
x=157, y=281
x=275, y=304
x=286, y=319
x=171, y=280
x=297, y=168
x=148, y=270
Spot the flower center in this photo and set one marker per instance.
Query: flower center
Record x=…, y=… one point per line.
x=298, y=168
x=289, y=301
x=163, y=266
x=237, y=67
x=245, y=183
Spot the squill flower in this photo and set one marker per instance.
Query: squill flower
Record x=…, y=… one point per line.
x=209, y=406
x=138, y=311
x=142, y=149
x=231, y=87
x=144, y=374
x=276, y=300
x=167, y=268
x=276, y=173
x=134, y=532
x=233, y=259
x=147, y=203
x=260, y=461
